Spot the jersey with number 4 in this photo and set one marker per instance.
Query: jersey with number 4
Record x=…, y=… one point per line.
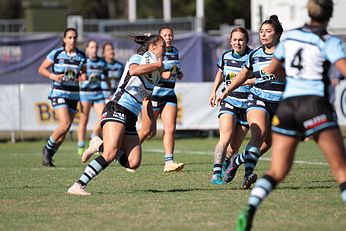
x=307, y=53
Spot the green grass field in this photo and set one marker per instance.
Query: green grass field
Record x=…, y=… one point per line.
x=33, y=197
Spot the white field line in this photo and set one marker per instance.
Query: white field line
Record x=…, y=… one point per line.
x=153, y=150
x=209, y=153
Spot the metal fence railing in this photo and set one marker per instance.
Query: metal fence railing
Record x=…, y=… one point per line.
x=122, y=26
x=12, y=26
x=114, y=26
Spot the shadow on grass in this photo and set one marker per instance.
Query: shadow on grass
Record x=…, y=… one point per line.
x=186, y=163
x=24, y=187
x=305, y=187
x=185, y=190
x=173, y=190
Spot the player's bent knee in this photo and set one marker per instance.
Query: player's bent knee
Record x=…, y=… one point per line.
x=109, y=155
x=134, y=166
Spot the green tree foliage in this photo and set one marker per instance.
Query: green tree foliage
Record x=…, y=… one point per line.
x=98, y=8
x=216, y=12
x=225, y=11
x=149, y=9
x=10, y=9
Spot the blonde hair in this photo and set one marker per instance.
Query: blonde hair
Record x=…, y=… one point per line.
x=320, y=10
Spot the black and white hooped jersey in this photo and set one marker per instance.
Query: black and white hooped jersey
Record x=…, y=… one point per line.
x=307, y=53
x=171, y=63
x=133, y=89
x=115, y=70
x=267, y=86
x=70, y=65
x=230, y=63
x=93, y=87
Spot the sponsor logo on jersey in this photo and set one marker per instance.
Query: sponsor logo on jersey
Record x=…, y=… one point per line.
x=69, y=75
x=174, y=69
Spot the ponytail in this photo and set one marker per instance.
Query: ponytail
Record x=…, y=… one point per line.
x=145, y=40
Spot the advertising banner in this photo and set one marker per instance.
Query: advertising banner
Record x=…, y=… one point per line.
x=26, y=107
x=37, y=113
x=10, y=108
x=340, y=102
x=20, y=57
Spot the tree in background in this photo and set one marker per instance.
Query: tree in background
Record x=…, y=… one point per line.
x=216, y=12
x=225, y=11
x=115, y=9
x=10, y=9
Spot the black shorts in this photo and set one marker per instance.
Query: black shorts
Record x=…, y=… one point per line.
x=60, y=102
x=255, y=102
x=239, y=113
x=159, y=102
x=303, y=116
x=113, y=112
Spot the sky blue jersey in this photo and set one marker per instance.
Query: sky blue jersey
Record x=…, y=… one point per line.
x=307, y=53
x=70, y=65
x=230, y=63
x=133, y=89
x=94, y=86
x=114, y=70
x=267, y=86
x=171, y=63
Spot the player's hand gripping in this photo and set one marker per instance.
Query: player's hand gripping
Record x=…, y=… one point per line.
x=56, y=77
x=212, y=99
x=221, y=97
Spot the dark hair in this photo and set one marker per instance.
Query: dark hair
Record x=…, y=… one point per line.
x=145, y=40
x=89, y=41
x=241, y=30
x=274, y=21
x=106, y=44
x=320, y=10
x=166, y=27
x=68, y=30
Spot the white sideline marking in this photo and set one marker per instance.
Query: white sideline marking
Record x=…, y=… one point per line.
x=155, y=150
x=209, y=153
x=49, y=168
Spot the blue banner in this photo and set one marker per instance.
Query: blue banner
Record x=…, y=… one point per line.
x=20, y=56
x=198, y=52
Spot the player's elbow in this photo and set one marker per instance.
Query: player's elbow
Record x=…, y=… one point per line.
x=40, y=70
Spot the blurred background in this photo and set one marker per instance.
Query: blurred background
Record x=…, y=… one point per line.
x=30, y=29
